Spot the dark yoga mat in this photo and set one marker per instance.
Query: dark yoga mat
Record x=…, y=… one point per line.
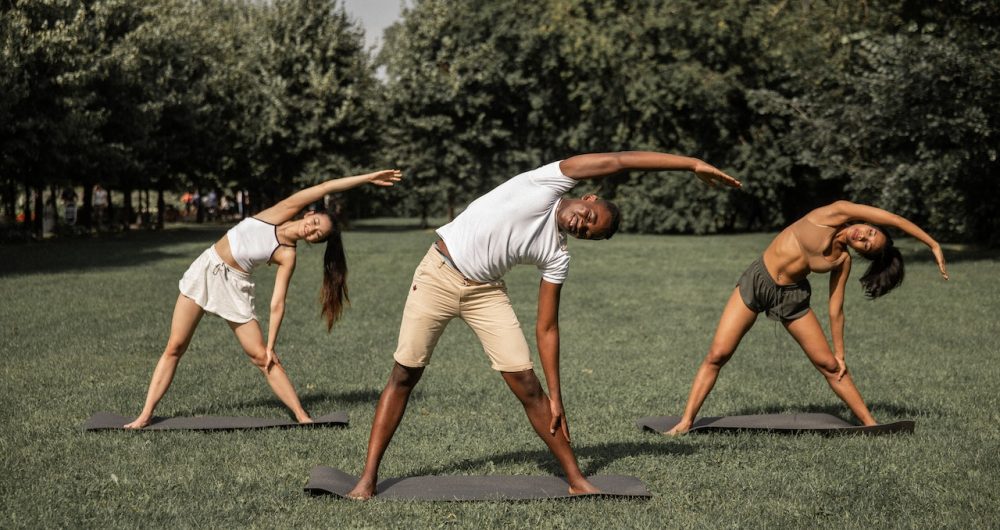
x=327, y=480
x=777, y=423
x=108, y=420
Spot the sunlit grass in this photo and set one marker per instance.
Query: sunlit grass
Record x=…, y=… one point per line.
x=83, y=321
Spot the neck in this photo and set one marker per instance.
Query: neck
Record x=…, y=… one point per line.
x=289, y=231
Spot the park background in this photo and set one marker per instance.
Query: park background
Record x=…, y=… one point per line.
x=891, y=103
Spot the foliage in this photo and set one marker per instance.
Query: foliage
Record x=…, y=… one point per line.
x=893, y=104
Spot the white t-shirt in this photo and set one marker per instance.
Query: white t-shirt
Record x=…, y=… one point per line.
x=512, y=224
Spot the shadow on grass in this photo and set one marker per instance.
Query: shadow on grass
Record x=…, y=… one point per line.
x=891, y=410
x=107, y=251
x=594, y=458
x=309, y=401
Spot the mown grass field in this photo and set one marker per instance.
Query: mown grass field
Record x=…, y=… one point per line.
x=82, y=323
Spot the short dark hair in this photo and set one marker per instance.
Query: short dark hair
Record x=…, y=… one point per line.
x=886, y=271
x=616, y=216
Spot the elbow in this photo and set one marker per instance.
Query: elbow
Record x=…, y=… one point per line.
x=277, y=309
x=546, y=330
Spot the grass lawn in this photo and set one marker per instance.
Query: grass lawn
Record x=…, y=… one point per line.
x=83, y=321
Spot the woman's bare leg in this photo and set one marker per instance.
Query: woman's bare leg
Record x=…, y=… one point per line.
x=185, y=319
x=736, y=320
x=808, y=333
x=252, y=340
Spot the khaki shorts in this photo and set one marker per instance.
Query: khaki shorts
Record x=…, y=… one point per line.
x=440, y=293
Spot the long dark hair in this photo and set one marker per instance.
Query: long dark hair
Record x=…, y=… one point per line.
x=333, y=294
x=886, y=271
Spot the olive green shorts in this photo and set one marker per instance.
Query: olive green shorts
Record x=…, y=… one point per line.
x=780, y=302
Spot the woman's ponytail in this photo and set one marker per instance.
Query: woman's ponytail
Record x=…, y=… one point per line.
x=886, y=271
x=333, y=294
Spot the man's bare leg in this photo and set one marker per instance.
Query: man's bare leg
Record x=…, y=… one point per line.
x=526, y=387
x=388, y=414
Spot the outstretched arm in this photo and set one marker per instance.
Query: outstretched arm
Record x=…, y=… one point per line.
x=288, y=208
x=547, y=337
x=841, y=212
x=596, y=165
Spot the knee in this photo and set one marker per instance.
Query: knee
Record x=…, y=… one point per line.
x=829, y=369
x=525, y=385
x=175, y=349
x=260, y=360
x=404, y=377
x=718, y=357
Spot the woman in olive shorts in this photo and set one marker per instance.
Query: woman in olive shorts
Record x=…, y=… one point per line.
x=776, y=284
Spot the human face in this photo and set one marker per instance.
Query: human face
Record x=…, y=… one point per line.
x=865, y=239
x=315, y=227
x=584, y=218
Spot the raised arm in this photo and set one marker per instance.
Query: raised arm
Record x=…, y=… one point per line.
x=841, y=212
x=547, y=337
x=596, y=165
x=288, y=208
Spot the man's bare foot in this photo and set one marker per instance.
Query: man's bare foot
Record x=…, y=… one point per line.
x=305, y=420
x=138, y=423
x=362, y=491
x=582, y=487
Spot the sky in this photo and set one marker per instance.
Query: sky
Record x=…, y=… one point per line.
x=375, y=16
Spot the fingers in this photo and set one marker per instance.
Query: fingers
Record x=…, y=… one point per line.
x=553, y=424
x=565, y=431
x=386, y=177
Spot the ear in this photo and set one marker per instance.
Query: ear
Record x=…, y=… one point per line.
x=590, y=197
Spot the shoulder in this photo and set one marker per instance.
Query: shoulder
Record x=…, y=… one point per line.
x=284, y=256
x=550, y=176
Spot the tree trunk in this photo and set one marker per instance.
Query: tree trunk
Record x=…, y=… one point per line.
x=39, y=208
x=26, y=226
x=160, y=209
x=127, y=210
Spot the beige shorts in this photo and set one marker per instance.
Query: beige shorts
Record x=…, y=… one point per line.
x=438, y=294
x=218, y=288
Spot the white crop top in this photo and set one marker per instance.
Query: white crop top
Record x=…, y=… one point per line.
x=252, y=242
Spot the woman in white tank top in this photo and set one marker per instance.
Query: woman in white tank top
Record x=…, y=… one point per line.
x=776, y=283
x=219, y=282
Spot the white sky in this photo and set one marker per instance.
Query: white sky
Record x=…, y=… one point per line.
x=375, y=16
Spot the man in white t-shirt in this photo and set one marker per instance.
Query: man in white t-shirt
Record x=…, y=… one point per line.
x=522, y=221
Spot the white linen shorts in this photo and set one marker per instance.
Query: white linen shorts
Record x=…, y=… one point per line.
x=219, y=289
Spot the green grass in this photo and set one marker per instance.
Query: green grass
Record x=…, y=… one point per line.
x=83, y=321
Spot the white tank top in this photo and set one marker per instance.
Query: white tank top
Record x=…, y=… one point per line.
x=253, y=242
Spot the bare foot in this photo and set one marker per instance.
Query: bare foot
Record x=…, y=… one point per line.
x=582, y=487
x=305, y=420
x=678, y=430
x=362, y=491
x=138, y=423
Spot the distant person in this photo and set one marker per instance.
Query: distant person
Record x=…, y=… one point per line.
x=219, y=282
x=776, y=284
x=523, y=221
x=69, y=205
x=99, y=201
